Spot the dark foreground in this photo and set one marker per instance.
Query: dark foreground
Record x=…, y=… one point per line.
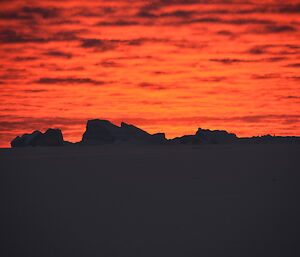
x=210, y=201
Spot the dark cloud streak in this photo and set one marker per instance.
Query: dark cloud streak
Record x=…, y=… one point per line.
x=59, y=54
x=69, y=80
x=229, y=60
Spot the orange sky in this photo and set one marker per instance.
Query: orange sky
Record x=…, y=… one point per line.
x=166, y=66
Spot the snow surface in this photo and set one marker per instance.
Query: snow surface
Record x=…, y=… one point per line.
x=136, y=201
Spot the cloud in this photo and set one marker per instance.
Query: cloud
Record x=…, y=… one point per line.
x=275, y=49
x=9, y=36
x=75, y=68
x=13, y=15
x=151, y=86
x=211, y=79
x=189, y=44
x=118, y=23
x=229, y=61
x=99, y=44
x=16, y=70
x=225, y=33
x=59, y=54
x=294, y=77
x=274, y=59
x=218, y=14
x=266, y=8
x=30, y=13
x=266, y=118
x=247, y=21
x=266, y=76
x=278, y=29
x=188, y=17
x=176, y=14
x=151, y=102
x=46, y=13
x=289, y=8
x=95, y=11
x=10, y=122
x=272, y=29
x=25, y=58
x=155, y=5
x=69, y=80
x=218, y=20
x=164, y=72
x=247, y=118
x=63, y=21
x=109, y=64
x=240, y=7
x=66, y=35
x=179, y=14
x=35, y=90
x=290, y=97
x=103, y=45
x=294, y=65
x=13, y=74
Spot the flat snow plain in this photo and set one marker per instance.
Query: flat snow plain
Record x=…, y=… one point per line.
x=138, y=201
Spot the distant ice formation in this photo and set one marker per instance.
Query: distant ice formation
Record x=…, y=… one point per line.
x=103, y=131
x=100, y=132
x=206, y=136
x=52, y=137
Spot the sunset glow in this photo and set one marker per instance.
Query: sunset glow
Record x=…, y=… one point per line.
x=164, y=65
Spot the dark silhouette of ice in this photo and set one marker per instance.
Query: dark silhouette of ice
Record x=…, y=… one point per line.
x=52, y=137
x=99, y=132
x=131, y=130
x=206, y=136
x=216, y=136
x=269, y=139
x=102, y=132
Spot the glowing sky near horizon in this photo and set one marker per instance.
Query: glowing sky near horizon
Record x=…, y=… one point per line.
x=165, y=66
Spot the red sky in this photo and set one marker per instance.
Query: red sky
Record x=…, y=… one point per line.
x=164, y=65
